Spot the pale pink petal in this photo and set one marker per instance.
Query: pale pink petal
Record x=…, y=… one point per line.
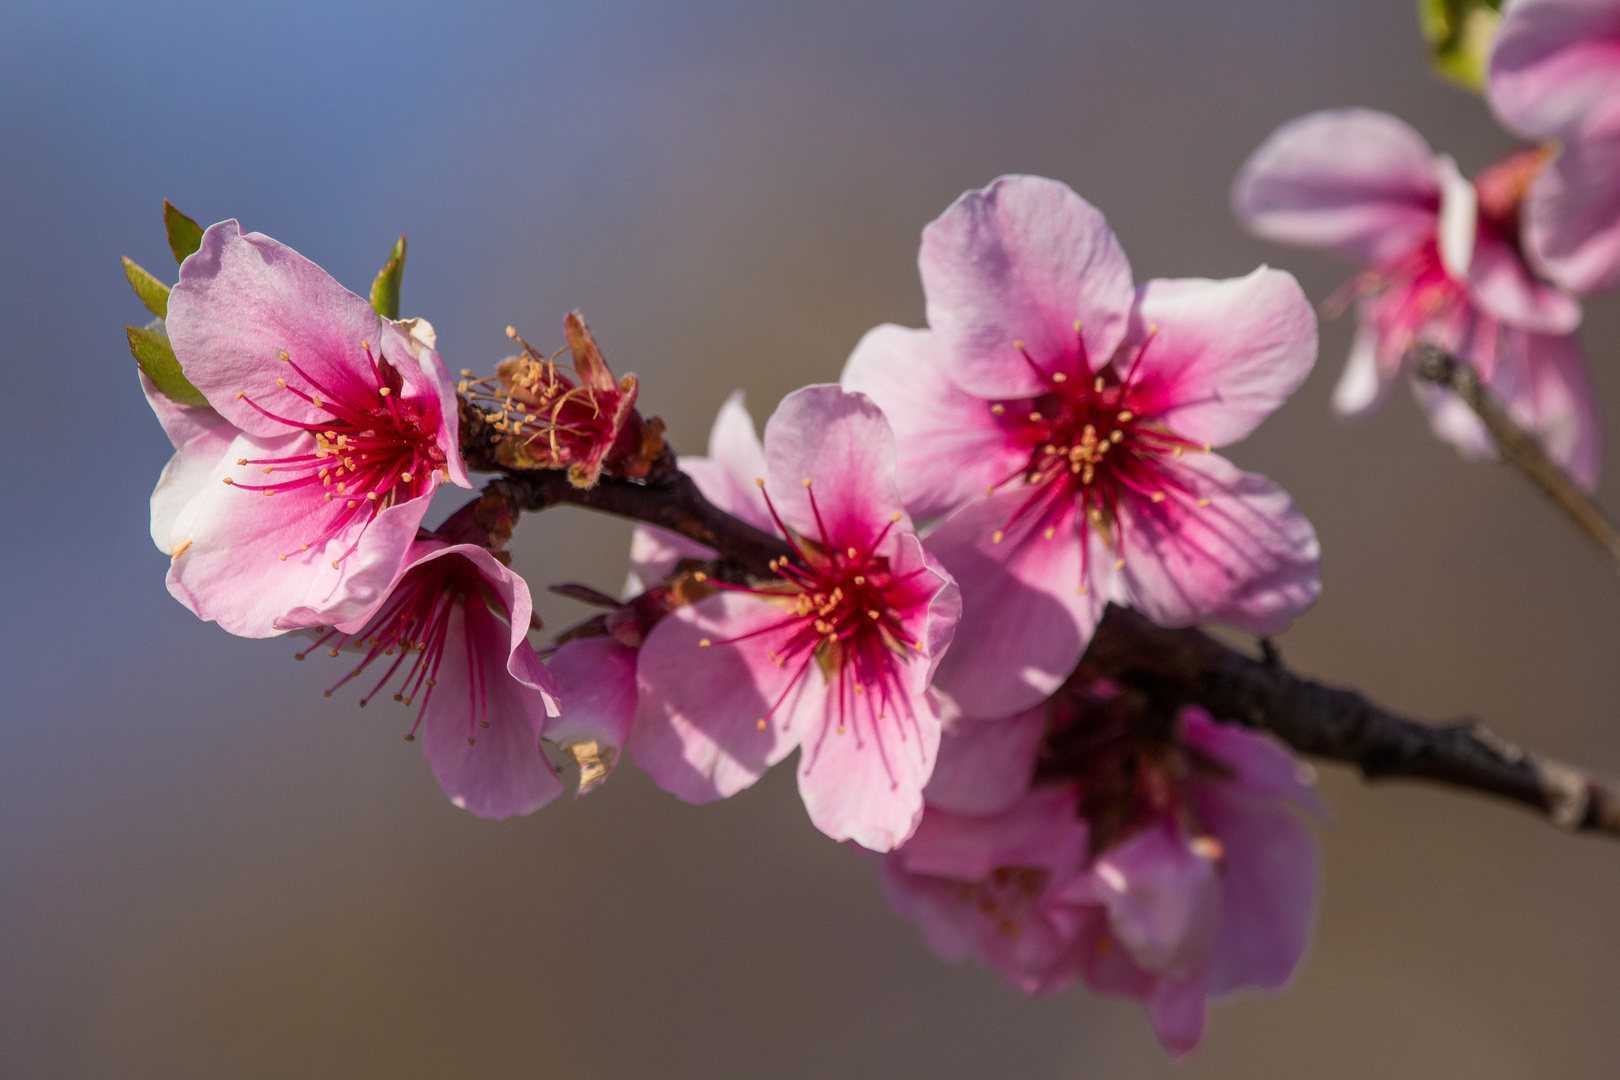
x=1262, y=766
x=1024, y=259
x=1565, y=413
x=1024, y=619
x=697, y=730
x=202, y=439
x=1364, y=383
x=1224, y=354
x=861, y=776
x=1357, y=182
x=1042, y=830
x=1249, y=557
x=1176, y=1009
x=1163, y=900
x=949, y=926
x=1454, y=422
x=1572, y=216
x=1269, y=887
x=1555, y=67
x=229, y=570
x=986, y=766
x=596, y=679
x=950, y=446
x=502, y=772
x=1459, y=219
x=654, y=554
x=1504, y=287
x=728, y=476
x=244, y=298
x=842, y=444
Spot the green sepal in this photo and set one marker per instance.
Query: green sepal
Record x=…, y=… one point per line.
x=1459, y=33
x=153, y=293
x=155, y=355
x=185, y=235
x=385, y=290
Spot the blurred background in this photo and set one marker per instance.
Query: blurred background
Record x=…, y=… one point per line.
x=208, y=869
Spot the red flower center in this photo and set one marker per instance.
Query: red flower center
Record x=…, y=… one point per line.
x=371, y=451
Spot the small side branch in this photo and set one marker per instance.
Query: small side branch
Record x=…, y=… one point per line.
x=1518, y=447
x=1341, y=725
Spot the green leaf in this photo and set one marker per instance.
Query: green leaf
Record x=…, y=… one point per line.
x=185, y=235
x=385, y=290
x=153, y=293
x=156, y=356
x=1459, y=33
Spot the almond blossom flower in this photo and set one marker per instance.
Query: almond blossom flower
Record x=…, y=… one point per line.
x=1555, y=74
x=1444, y=266
x=1194, y=878
x=348, y=420
x=454, y=630
x=834, y=657
x=1070, y=417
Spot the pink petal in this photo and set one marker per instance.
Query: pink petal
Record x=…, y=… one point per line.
x=596, y=679
x=842, y=444
x=1024, y=620
x=1163, y=901
x=1269, y=888
x=865, y=782
x=1261, y=764
x=697, y=729
x=1353, y=181
x=1505, y=287
x=986, y=766
x=1042, y=830
x=654, y=554
x=1364, y=383
x=1555, y=67
x=1177, y=1012
x=1022, y=260
x=241, y=300
x=504, y=772
x=229, y=570
x=1225, y=354
x=1454, y=422
x=1573, y=216
x=1565, y=413
x=428, y=383
x=202, y=439
x=1249, y=558
x=950, y=446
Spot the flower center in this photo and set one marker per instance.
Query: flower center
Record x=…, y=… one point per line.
x=416, y=620
x=1091, y=448
x=372, y=450
x=843, y=611
x=1007, y=895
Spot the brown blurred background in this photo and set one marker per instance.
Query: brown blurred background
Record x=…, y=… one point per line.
x=207, y=869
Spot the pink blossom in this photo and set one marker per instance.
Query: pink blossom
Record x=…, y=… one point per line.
x=1066, y=418
x=454, y=631
x=1555, y=73
x=1209, y=887
x=1444, y=266
x=348, y=420
x=726, y=478
x=834, y=658
x=596, y=677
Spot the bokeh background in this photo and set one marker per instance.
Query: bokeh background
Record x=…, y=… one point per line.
x=208, y=869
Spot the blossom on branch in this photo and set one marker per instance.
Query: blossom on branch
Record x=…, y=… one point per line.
x=1167, y=869
x=454, y=633
x=1445, y=266
x=1555, y=74
x=834, y=657
x=1065, y=419
x=294, y=497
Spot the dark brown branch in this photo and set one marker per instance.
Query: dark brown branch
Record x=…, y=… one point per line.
x=1519, y=448
x=1185, y=665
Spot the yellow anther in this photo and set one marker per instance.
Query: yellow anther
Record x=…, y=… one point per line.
x=1097, y=384
x=701, y=576
x=1117, y=435
x=840, y=729
x=1034, y=416
x=283, y=355
x=241, y=461
x=851, y=552
x=1058, y=376
x=1203, y=502
x=761, y=724
x=1157, y=496
x=1176, y=452
x=996, y=537
x=1081, y=590
x=704, y=642
x=871, y=613
x=385, y=391
x=1153, y=328
x=511, y=331
x=1018, y=344
x=894, y=517
x=335, y=565
x=331, y=652
x=1119, y=564
x=1125, y=416
x=282, y=383
x=269, y=468
x=998, y=409
x=991, y=490
x=241, y=394
x=1050, y=532
x=269, y=491
x=283, y=558
x=860, y=579
x=1078, y=325
x=805, y=481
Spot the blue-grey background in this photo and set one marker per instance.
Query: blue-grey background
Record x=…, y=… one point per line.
x=207, y=869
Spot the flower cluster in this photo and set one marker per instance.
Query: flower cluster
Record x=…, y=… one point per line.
x=949, y=523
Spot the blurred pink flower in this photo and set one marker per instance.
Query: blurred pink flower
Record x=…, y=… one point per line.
x=1209, y=887
x=1555, y=74
x=1445, y=266
x=456, y=625
x=1066, y=418
x=835, y=658
x=349, y=420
